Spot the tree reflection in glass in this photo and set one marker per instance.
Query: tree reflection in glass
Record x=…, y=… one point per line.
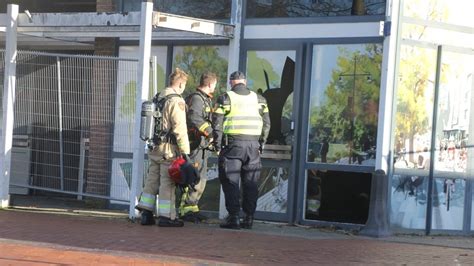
x=344, y=103
x=308, y=8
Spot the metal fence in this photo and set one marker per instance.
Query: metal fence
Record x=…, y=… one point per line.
x=72, y=114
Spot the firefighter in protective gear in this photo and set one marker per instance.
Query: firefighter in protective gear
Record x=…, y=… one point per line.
x=241, y=126
x=163, y=154
x=198, y=118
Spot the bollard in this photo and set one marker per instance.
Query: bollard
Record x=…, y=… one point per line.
x=377, y=223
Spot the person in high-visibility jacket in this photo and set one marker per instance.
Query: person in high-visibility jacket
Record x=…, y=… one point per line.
x=163, y=154
x=241, y=125
x=198, y=117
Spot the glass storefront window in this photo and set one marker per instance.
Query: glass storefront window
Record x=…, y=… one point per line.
x=210, y=198
x=409, y=201
x=412, y=144
x=472, y=212
x=458, y=13
x=273, y=189
x=52, y=6
x=435, y=35
x=414, y=105
x=272, y=74
x=196, y=60
x=205, y=9
x=305, y=8
x=344, y=100
x=448, y=203
x=454, y=114
x=452, y=140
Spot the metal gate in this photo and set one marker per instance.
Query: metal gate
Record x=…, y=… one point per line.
x=64, y=122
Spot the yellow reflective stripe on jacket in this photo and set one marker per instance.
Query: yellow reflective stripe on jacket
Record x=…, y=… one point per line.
x=222, y=109
x=244, y=117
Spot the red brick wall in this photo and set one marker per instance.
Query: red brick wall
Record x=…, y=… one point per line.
x=102, y=111
x=105, y=6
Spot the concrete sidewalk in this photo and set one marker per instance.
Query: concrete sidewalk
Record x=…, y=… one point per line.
x=29, y=237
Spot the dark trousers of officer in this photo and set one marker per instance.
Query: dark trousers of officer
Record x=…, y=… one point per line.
x=240, y=160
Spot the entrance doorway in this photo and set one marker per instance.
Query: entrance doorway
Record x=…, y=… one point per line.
x=339, y=131
x=271, y=73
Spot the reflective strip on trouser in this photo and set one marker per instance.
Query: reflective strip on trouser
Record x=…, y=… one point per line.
x=203, y=127
x=152, y=183
x=167, y=193
x=190, y=199
x=146, y=202
x=184, y=207
x=188, y=208
x=240, y=160
x=164, y=207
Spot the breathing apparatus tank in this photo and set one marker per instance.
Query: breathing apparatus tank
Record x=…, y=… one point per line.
x=147, y=122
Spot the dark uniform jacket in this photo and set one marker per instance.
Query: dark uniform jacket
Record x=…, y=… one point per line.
x=218, y=119
x=198, y=118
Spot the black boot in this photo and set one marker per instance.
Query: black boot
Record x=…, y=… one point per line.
x=231, y=222
x=190, y=217
x=147, y=218
x=193, y=217
x=247, y=222
x=167, y=222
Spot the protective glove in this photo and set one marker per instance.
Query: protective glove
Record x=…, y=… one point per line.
x=214, y=147
x=211, y=147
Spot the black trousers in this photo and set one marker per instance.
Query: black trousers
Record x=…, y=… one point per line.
x=240, y=161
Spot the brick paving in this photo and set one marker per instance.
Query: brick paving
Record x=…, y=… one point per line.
x=30, y=238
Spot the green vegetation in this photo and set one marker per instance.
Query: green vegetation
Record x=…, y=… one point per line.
x=196, y=60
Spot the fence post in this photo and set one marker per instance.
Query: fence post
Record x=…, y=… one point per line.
x=8, y=101
x=141, y=95
x=60, y=122
x=154, y=67
x=80, y=177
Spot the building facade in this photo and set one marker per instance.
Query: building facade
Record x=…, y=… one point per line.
x=351, y=84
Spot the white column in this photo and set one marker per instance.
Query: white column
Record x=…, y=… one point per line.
x=141, y=96
x=387, y=87
x=470, y=140
x=8, y=101
x=234, y=43
x=233, y=65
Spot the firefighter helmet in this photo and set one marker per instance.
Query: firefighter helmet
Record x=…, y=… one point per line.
x=174, y=170
x=182, y=172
